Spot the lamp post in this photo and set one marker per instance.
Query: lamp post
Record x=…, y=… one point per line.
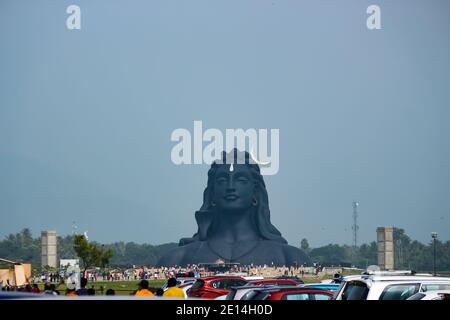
x=434, y=236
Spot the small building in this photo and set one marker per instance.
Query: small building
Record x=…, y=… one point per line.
x=14, y=274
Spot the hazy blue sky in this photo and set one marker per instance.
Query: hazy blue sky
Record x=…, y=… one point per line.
x=86, y=115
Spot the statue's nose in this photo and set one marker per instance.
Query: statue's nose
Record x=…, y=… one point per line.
x=230, y=185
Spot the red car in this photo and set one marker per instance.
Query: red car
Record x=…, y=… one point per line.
x=213, y=287
x=275, y=282
x=287, y=293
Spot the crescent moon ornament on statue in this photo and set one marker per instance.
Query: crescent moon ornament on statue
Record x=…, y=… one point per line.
x=261, y=163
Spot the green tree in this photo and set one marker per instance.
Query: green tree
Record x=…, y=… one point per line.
x=21, y=247
x=332, y=254
x=366, y=255
x=90, y=254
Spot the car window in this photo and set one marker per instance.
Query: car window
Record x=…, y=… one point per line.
x=227, y=283
x=218, y=284
x=399, y=291
x=417, y=296
x=435, y=286
x=296, y=296
x=255, y=295
x=355, y=290
x=321, y=296
x=198, y=284
x=239, y=282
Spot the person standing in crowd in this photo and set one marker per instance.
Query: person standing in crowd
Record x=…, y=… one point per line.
x=143, y=290
x=173, y=290
x=82, y=291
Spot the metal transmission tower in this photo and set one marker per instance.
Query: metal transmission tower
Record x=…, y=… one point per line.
x=74, y=228
x=355, y=226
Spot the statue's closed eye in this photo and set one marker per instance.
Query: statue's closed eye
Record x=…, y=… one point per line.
x=221, y=180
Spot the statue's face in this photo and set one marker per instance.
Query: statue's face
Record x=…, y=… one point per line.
x=233, y=190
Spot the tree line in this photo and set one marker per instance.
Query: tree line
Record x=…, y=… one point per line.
x=408, y=254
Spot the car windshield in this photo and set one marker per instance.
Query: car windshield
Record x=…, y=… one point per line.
x=355, y=290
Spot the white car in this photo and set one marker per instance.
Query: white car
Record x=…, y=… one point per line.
x=388, y=286
x=431, y=295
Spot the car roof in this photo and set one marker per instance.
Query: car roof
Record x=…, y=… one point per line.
x=289, y=288
x=309, y=285
x=274, y=280
x=259, y=286
x=375, y=278
x=221, y=277
x=300, y=290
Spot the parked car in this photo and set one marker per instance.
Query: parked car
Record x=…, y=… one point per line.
x=287, y=293
x=431, y=295
x=388, y=286
x=213, y=287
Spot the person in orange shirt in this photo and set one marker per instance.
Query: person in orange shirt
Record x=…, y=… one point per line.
x=143, y=290
x=173, y=291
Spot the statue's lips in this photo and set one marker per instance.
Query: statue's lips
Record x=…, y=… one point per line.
x=231, y=197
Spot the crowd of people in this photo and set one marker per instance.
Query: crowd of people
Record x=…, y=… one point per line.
x=165, y=273
x=142, y=290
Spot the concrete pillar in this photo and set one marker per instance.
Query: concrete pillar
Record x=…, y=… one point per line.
x=49, y=247
x=385, y=244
